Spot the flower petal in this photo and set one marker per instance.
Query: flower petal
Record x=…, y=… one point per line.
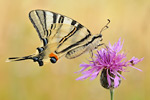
x=116, y=81
x=83, y=77
x=135, y=68
x=85, y=66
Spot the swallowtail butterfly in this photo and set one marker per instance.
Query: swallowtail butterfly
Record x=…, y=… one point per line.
x=60, y=36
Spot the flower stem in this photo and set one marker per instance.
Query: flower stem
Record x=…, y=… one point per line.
x=112, y=94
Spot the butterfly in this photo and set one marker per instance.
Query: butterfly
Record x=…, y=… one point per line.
x=60, y=36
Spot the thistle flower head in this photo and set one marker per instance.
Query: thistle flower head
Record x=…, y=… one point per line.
x=111, y=62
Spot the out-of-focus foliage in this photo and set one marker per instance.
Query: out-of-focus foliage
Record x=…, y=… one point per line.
x=130, y=20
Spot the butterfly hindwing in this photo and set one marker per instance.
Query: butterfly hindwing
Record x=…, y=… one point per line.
x=63, y=40
x=73, y=53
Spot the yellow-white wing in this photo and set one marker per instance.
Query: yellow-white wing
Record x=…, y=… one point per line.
x=44, y=21
x=67, y=38
x=59, y=33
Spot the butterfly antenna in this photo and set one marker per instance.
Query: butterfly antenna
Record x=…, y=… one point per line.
x=105, y=27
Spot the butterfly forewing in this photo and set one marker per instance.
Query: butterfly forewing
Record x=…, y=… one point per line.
x=38, y=21
x=74, y=38
x=64, y=32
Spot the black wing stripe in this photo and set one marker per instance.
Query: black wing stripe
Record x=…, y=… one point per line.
x=34, y=25
x=44, y=14
x=73, y=45
x=40, y=20
x=50, y=32
x=45, y=41
x=70, y=34
x=52, y=26
x=61, y=19
x=66, y=37
x=73, y=22
x=95, y=37
x=54, y=17
x=88, y=31
x=79, y=26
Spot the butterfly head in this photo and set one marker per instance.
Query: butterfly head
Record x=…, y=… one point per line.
x=100, y=36
x=53, y=57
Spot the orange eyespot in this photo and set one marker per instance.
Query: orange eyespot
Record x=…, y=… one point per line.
x=53, y=55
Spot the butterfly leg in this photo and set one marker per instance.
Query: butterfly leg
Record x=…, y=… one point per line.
x=36, y=59
x=91, y=54
x=101, y=44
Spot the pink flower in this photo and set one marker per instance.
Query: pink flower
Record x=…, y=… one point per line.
x=111, y=62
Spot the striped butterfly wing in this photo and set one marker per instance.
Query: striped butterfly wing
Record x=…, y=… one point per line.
x=68, y=38
x=39, y=21
x=62, y=34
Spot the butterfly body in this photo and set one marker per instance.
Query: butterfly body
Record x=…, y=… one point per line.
x=60, y=36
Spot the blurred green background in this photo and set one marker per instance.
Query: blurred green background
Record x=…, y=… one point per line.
x=130, y=20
